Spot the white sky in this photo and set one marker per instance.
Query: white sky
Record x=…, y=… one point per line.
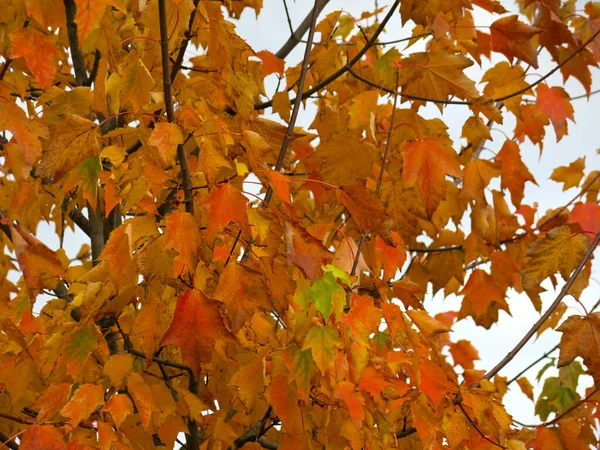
x=271, y=30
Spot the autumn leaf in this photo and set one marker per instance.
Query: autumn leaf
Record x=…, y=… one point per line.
x=304, y=250
x=183, y=235
x=347, y=393
x=166, y=137
x=570, y=175
x=72, y=139
x=47, y=437
x=512, y=38
x=556, y=104
x=587, y=217
x=195, y=311
x=226, y=204
x=581, y=337
x=84, y=401
x=426, y=164
x=26, y=133
x=514, y=173
x=483, y=299
x=271, y=63
x=362, y=110
x=39, y=51
x=322, y=340
x=560, y=251
x=89, y=13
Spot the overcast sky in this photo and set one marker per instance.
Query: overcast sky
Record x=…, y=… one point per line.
x=271, y=30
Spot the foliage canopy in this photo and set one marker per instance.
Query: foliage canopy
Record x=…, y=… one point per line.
x=249, y=283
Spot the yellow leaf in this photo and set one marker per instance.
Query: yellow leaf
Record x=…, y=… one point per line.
x=560, y=251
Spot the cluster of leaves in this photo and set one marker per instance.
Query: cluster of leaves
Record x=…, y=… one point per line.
x=283, y=320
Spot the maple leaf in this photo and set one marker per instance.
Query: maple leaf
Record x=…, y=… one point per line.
x=84, y=401
x=581, y=337
x=322, y=340
x=304, y=250
x=39, y=51
x=72, y=139
x=426, y=164
x=166, y=137
x=35, y=259
x=226, y=204
x=47, y=437
x=560, y=251
x=195, y=311
x=183, y=235
x=271, y=63
x=483, y=299
x=587, y=216
x=556, y=104
x=89, y=13
x=346, y=392
x=26, y=133
x=512, y=38
x=514, y=173
x=570, y=175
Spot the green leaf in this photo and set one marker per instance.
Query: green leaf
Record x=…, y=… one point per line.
x=322, y=293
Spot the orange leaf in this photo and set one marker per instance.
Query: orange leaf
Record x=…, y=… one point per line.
x=119, y=406
x=514, y=173
x=305, y=250
x=434, y=381
x=226, y=204
x=346, y=392
x=35, y=259
x=581, y=337
x=39, y=51
x=426, y=163
x=587, y=216
x=42, y=437
x=555, y=102
x=86, y=399
x=464, y=353
x=183, y=235
x=483, y=299
x=271, y=63
x=366, y=210
x=394, y=255
x=195, y=312
x=166, y=137
x=89, y=13
x=512, y=38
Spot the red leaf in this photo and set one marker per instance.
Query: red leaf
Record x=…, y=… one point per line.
x=39, y=52
x=194, y=313
x=587, y=216
x=555, y=102
x=226, y=204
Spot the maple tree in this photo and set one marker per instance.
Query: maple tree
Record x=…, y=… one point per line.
x=250, y=283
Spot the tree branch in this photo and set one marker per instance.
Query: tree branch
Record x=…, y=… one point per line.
x=168, y=95
x=184, y=44
x=463, y=102
x=6, y=441
x=296, y=110
x=343, y=69
x=508, y=358
x=296, y=36
x=76, y=56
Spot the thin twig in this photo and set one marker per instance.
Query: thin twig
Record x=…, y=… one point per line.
x=296, y=110
x=508, y=358
x=467, y=102
x=7, y=441
x=168, y=95
x=334, y=76
x=474, y=425
x=379, y=178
